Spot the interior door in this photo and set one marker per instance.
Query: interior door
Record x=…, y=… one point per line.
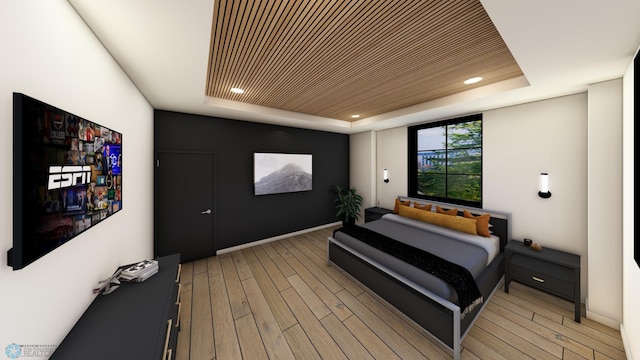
x=184, y=205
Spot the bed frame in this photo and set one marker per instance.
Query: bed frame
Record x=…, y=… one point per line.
x=435, y=314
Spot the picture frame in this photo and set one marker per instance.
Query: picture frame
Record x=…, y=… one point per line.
x=277, y=173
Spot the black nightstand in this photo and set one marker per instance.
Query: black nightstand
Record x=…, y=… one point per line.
x=553, y=271
x=375, y=213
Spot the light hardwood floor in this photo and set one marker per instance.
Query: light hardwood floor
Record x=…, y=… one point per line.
x=282, y=301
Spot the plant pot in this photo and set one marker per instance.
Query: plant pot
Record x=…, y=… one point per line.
x=348, y=205
x=350, y=221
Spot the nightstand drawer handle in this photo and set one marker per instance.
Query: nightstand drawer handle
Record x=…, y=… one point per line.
x=537, y=279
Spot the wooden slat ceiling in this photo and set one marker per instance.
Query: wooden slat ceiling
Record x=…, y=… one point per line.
x=338, y=58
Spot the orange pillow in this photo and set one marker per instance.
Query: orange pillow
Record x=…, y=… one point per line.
x=440, y=210
x=458, y=223
x=482, y=223
x=396, y=208
x=417, y=214
x=426, y=207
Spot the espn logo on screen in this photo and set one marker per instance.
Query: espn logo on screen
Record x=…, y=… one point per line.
x=66, y=176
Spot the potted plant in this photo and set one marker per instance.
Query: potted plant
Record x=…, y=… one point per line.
x=348, y=205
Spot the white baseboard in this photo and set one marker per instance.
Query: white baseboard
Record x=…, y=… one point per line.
x=625, y=342
x=603, y=320
x=279, y=237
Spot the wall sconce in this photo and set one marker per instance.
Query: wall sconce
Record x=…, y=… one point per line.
x=385, y=176
x=544, y=186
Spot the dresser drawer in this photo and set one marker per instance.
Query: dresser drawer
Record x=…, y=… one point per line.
x=167, y=354
x=174, y=319
x=556, y=279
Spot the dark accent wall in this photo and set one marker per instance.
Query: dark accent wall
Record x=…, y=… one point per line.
x=243, y=217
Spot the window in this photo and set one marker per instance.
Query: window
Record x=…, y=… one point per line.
x=445, y=161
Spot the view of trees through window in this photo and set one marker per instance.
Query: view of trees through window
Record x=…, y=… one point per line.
x=447, y=161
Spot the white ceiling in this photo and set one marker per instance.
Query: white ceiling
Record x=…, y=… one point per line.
x=561, y=47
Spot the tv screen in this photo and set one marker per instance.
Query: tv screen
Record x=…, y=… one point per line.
x=67, y=177
x=636, y=114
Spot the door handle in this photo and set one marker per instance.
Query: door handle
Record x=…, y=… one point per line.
x=208, y=211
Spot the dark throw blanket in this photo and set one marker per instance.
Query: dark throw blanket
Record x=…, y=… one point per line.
x=458, y=277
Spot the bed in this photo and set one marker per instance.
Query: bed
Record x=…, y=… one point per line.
x=441, y=284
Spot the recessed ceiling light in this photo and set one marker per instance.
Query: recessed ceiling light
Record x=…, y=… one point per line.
x=473, y=80
x=355, y=116
x=237, y=90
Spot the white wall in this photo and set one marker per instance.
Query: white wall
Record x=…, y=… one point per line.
x=362, y=168
x=49, y=53
x=630, y=271
x=391, y=153
x=604, y=221
x=520, y=142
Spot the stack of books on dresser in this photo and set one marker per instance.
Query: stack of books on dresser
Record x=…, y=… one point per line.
x=140, y=271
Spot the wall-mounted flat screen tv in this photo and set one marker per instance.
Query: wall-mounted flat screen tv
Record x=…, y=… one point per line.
x=636, y=114
x=67, y=177
x=276, y=173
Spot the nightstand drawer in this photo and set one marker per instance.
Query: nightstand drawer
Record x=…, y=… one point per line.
x=553, y=278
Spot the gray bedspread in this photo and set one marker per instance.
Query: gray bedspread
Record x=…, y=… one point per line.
x=473, y=258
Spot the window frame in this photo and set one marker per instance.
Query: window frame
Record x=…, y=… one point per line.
x=413, y=164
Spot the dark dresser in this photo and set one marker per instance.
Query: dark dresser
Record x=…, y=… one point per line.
x=137, y=321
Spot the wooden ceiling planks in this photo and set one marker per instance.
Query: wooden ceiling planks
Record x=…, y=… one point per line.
x=335, y=58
